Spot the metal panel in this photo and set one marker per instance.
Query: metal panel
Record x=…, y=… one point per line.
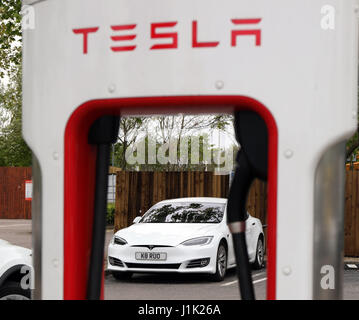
x=328, y=251
x=306, y=75
x=37, y=227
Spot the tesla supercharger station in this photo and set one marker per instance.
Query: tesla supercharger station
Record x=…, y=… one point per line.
x=292, y=62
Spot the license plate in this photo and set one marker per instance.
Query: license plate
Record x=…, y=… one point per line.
x=151, y=256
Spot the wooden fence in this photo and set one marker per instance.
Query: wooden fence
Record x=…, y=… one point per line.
x=12, y=193
x=351, y=230
x=136, y=192
x=257, y=201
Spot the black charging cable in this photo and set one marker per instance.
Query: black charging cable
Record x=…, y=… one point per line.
x=236, y=211
x=251, y=133
x=103, y=133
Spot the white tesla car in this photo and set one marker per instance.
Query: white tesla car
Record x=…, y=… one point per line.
x=187, y=235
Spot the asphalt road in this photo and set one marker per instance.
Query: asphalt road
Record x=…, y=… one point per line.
x=199, y=287
x=17, y=232
x=180, y=287
x=169, y=286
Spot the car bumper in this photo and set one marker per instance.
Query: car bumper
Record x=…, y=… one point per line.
x=180, y=259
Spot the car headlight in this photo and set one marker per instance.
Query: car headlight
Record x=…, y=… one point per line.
x=118, y=240
x=200, y=241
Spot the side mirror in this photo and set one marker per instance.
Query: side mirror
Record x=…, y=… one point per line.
x=137, y=219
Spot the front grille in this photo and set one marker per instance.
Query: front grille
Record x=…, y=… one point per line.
x=198, y=263
x=115, y=262
x=153, y=265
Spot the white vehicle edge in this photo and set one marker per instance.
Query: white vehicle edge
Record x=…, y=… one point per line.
x=15, y=272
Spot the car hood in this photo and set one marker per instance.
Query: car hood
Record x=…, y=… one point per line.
x=170, y=234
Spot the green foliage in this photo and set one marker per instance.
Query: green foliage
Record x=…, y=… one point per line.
x=10, y=36
x=221, y=121
x=110, y=218
x=352, y=147
x=13, y=149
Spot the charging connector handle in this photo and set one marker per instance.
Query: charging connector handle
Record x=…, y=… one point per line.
x=251, y=133
x=103, y=133
x=236, y=216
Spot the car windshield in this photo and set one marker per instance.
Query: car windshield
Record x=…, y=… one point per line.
x=185, y=212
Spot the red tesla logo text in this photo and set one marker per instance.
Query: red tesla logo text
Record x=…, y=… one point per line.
x=156, y=33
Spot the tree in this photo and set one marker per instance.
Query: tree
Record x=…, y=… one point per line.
x=130, y=128
x=10, y=36
x=158, y=136
x=168, y=127
x=187, y=126
x=13, y=149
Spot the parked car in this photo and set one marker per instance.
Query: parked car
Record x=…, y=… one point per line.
x=187, y=235
x=15, y=266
